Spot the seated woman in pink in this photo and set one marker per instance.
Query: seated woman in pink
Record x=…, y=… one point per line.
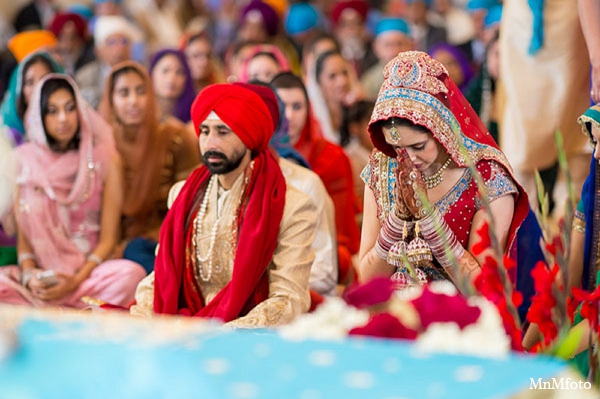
x=69, y=195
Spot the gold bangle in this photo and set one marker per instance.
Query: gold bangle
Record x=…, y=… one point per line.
x=579, y=225
x=24, y=256
x=94, y=258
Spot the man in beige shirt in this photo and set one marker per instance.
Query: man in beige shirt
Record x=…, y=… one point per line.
x=236, y=244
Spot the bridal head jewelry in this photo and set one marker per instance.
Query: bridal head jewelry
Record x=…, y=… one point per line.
x=394, y=132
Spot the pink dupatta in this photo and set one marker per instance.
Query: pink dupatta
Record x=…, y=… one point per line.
x=53, y=186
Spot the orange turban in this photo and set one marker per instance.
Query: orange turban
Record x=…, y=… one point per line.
x=24, y=43
x=278, y=5
x=240, y=108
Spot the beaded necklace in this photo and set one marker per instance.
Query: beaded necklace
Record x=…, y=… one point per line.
x=197, y=224
x=435, y=179
x=213, y=235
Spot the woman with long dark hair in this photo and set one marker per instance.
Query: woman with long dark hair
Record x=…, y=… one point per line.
x=69, y=196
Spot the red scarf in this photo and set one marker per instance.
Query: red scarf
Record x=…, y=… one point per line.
x=175, y=287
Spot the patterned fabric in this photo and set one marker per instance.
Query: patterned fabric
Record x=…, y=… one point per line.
x=418, y=88
x=458, y=206
x=589, y=206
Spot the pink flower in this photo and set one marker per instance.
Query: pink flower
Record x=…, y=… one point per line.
x=441, y=308
x=373, y=292
x=384, y=325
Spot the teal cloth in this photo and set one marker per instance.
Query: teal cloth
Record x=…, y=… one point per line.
x=493, y=16
x=300, y=18
x=392, y=24
x=537, y=37
x=8, y=110
x=474, y=5
x=72, y=360
x=592, y=113
x=581, y=361
x=427, y=2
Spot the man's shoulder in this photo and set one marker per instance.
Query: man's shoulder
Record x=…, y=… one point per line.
x=297, y=202
x=174, y=192
x=294, y=196
x=300, y=177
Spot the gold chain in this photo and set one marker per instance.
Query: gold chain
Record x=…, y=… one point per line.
x=435, y=179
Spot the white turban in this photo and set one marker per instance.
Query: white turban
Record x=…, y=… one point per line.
x=106, y=26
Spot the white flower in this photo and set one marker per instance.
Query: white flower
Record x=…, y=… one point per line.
x=330, y=321
x=409, y=293
x=485, y=338
x=443, y=287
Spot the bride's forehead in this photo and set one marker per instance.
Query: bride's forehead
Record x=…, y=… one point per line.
x=405, y=135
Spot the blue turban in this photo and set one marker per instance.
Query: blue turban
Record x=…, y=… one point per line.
x=301, y=17
x=493, y=16
x=474, y=5
x=107, y=1
x=427, y=2
x=392, y=24
x=82, y=10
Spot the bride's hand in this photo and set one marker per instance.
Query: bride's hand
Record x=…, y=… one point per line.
x=411, y=189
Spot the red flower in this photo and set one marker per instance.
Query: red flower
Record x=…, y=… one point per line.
x=489, y=284
x=373, y=292
x=572, y=305
x=537, y=348
x=509, y=263
x=543, y=301
x=384, y=325
x=556, y=246
x=517, y=298
x=441, y=308
x=510, y=326
x=484, y=239
x=589, y=305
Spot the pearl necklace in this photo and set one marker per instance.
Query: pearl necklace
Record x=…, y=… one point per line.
x=213, y=235
x=435, y=179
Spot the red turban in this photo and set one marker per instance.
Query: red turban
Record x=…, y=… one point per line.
x=241, y=109
x=60, y=19
x=360, y=6
x=268, y=96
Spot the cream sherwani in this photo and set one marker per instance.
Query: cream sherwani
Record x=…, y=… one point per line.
x=324, y=272
x=288, y=271
x=544, y=92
